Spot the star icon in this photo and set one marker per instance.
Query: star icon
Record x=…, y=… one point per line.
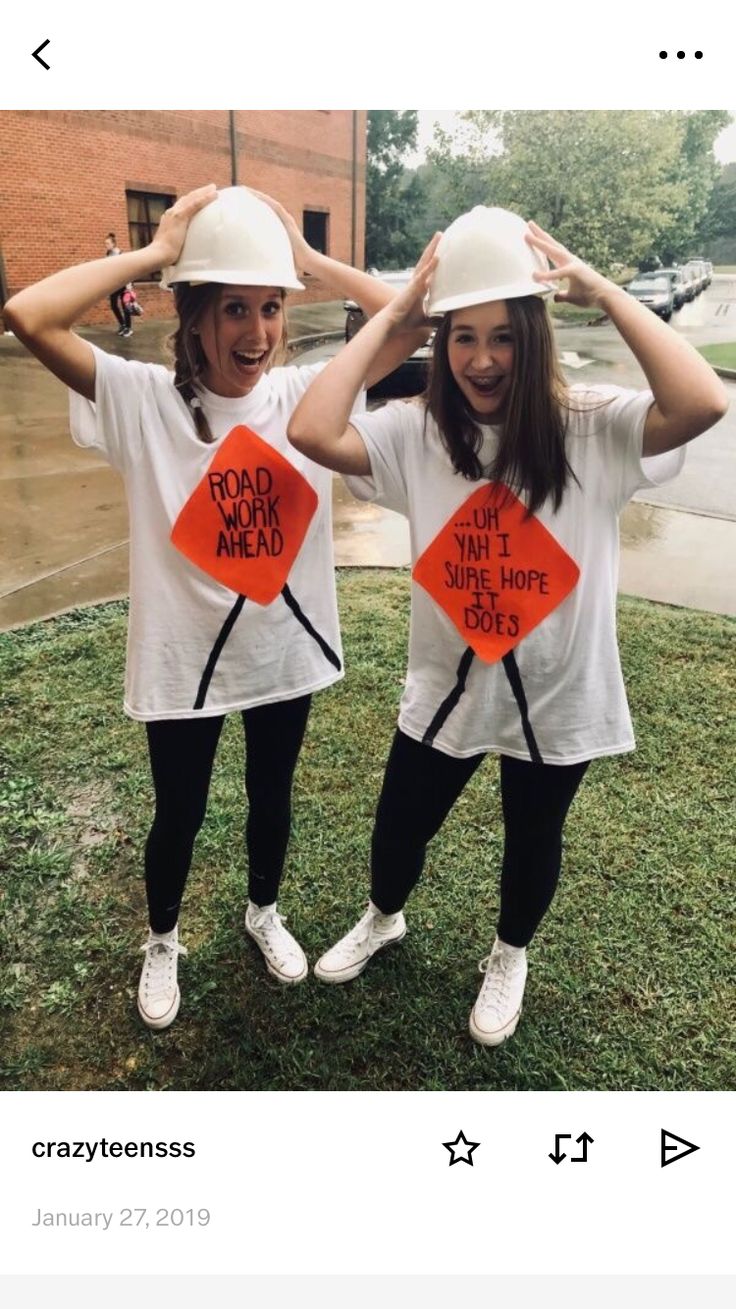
x=461, y=1149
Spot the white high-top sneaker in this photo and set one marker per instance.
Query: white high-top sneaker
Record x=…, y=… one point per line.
x=350, y=955
x=282, y=953
x=498, y=1007
x=158, y=993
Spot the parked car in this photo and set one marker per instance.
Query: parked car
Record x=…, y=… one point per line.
x=689, y=280
x=705, y=270
x=655, y=291
x=678, y=282
x=680, y=286
x=696, y=269
x=410, y=378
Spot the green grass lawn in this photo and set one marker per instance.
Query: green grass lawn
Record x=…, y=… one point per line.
x=573, y=315
x=631, y=976
x=722, y=355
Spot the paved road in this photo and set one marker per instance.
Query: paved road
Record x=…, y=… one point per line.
x=707, y=484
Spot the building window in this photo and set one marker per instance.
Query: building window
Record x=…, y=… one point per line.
x=315, y=229
x=144, y=214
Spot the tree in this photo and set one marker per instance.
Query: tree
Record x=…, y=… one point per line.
x=464, y=166
x=719, y=219
x=394, y=195
x=696, y=172
x=616, y=187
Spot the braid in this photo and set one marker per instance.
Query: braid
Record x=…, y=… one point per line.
x=185, y=347
x=189, y=361
x=184, y=383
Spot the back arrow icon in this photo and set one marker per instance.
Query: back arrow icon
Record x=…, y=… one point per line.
x=37, y=54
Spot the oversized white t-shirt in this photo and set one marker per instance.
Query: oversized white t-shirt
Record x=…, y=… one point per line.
x=194, y=647
x=541, y=593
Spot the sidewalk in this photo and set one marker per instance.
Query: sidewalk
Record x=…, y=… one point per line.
x=63, y=519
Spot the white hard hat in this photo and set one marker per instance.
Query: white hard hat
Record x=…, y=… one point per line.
x=235, y=239
x=483, y=256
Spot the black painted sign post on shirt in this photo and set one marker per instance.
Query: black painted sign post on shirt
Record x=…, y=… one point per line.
x=511, y=669
x=228, y=626
x=216, y=651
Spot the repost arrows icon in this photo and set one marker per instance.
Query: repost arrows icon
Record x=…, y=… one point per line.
x=37, y=54
x=585, y=1139
x=669, y=1146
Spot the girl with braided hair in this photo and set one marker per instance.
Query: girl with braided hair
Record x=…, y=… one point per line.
x=232, y=595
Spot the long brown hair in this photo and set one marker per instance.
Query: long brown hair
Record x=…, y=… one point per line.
x=190, y=361
x=531, y=455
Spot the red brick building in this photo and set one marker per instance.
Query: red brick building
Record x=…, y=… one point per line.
x=67, y=178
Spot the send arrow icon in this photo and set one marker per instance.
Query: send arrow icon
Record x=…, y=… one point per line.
x=674, y=1148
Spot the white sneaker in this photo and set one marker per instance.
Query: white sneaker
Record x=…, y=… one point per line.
x=350, y=955
x=284, y=956
x=498, y=1007
x=158, y=993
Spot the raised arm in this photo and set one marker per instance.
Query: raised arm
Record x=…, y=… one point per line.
x=350, y=283
x=42, y=315
x=688, y=396
x=320, y=425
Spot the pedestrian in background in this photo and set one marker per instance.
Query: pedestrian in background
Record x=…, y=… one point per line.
x=117, y=301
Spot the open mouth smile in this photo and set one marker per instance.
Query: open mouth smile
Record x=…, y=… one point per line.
x=249, y=361
x=486, y=385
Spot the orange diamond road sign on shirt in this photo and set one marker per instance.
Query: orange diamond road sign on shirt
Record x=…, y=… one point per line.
x=245, y=522
x=495, y=573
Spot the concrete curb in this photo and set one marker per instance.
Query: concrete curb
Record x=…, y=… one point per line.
x=728, y=373
x=314, y=338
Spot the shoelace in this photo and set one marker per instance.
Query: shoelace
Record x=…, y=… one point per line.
x=359, y=935
x=160, y=956
x=498, y=978
x=275, y=935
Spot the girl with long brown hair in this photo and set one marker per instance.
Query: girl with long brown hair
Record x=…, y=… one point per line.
x=512, y=483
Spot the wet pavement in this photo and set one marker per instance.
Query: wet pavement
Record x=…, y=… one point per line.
x=63, y=520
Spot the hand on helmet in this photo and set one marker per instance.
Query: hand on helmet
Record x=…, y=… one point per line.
x=172, y=229
x=303, y=252
x=406, y=310
x=585, y=286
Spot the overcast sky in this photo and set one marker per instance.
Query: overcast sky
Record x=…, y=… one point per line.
x=725, y=145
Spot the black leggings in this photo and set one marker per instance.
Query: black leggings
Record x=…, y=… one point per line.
x=420, y=787
x=119, y=308
x=182, y=753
